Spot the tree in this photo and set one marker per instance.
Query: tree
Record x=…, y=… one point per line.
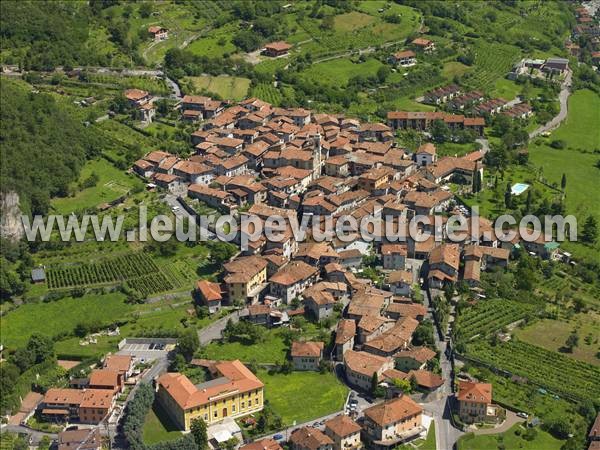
x=403, y=385
x=423, y=334
x=374, y=383
x=188, y=343
x=383, y=72
x=477, y=182
x=528, y=202
x=145, y=9
x=440, y=131
x=590, y=230
x=563, y=181
x=572, y=341
x=198, y=430
x=508, y=197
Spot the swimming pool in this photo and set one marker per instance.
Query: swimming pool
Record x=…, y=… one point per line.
x=518, y=188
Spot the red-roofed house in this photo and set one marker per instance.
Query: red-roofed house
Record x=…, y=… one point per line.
x=473, y=401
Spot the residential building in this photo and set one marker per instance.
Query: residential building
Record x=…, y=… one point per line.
x=413, y=359
x=360, y=367
x=392, y=422
x=122, y=364
x=425, y=154
x=400, y=282
x=393, y=256
x=235, y=392
x=262, y=444
x=344, y=337
x=473, y=401
x=404, y=58
x=344, y=432
x=393, y=340
x=276, y=49
x=245, y=279
x=307, y=355
x=292, y=279
x=209, y=294
x=83, y=439
x=423, y=44
x=309, y=438
x=158, y=33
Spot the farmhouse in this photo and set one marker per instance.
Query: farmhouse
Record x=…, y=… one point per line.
x=210, y=295
x=276, y=49
x=158, y=33
x=404, y=58
x=307, y=355
x=424, y=44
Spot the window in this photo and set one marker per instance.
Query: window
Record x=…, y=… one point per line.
x=216, y=414
x=243, y=405
x=205, y=417
x=233, y=408
x=256, y=401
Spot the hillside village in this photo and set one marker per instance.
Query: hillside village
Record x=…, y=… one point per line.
x=415, y=339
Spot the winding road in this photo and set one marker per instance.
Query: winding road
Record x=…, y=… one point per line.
x=563, y=97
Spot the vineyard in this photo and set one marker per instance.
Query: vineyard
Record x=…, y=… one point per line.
x=137, y=269
x=488, y=317
x=492, y=61
x=556, y=372
x=267, y=92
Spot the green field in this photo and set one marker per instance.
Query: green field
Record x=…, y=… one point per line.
x=158, y=427
x=509, y=440
x=229, y=88
x=352, y=21
x=19, y=324
x=301, y=396
x=337, y=72
x=216, y=43
x=453, y=68
x=581, y=134
x=272, y=350
x=552, y=334
x=112, y=183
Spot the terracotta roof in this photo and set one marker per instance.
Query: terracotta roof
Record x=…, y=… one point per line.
x=135, y=94
x=279, y=46
x=307, y=349
x=236, y=378
x=420, y=354
x=474, y=392
x=84, y=439
x=242, y=269
x=346, y=330
x=97, y=398
x=262, y=444
x=426, y=379
x=364, y=363
x=120, y=363
x=258, y=309
x=413, y=310
x=446, y=253
x=292, y=273
x=342, y=426
x=391, y=249
x=428, y=148
x=400, y=276
x=394, y=338
x=209, y=290
x=421, y=42
x=404, y=54
x=104, y=377
x=393, y=411
x=156, y=156
x=63, y=396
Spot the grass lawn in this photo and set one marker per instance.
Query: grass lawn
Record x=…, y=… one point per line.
x=216, y=43
x=158, y=427
x=581, y=136
x=339, y=71
x=302, y=396
x=112, y=183
x=506, y=89
x=272, y=350
x=452, y=149
x=230, y=88
x=422, y=444
x=66, y=313
x=453, y=68
x=509, y=441
x=352, y=21
x=552, y=334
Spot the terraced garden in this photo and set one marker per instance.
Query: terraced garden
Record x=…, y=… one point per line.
x=488, y=317
x=492, y=62
x=267, y=92
x=556, y=372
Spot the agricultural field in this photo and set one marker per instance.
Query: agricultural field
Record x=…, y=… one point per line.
x=153, y=85
x=267, y=92
x=454, y=68
x=488, y=317
x=229, y=88
x=215, y=43
x=352, y=21
x=564, y=285
x=302, y=396
x=492, y=62
x=511, y=439
x=552, y=334
x=111, y=184
x=543, y=367
x=138, y=270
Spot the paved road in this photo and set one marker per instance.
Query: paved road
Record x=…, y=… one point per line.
x=563, y=97
x=36, y=436
x=174, y=202
x=214, y=330
x=446, y=434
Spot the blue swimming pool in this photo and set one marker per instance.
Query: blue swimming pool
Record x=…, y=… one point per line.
x=518, y=188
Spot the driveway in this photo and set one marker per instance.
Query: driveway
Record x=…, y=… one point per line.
x=214, y=330
x=564, y=108
x=511, y=419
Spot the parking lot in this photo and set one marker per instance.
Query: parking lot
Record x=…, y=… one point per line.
x=146, y=349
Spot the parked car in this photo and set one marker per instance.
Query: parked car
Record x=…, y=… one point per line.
x=278, y=437
x=522, y=415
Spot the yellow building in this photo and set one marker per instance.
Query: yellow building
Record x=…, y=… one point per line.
x=235, y=392
x=246, y=277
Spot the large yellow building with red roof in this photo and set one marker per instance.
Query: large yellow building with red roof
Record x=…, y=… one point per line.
x=234, y=392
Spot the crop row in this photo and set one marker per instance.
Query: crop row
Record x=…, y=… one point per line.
x=552, y=370
x=110, y=270
x=489, y=317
